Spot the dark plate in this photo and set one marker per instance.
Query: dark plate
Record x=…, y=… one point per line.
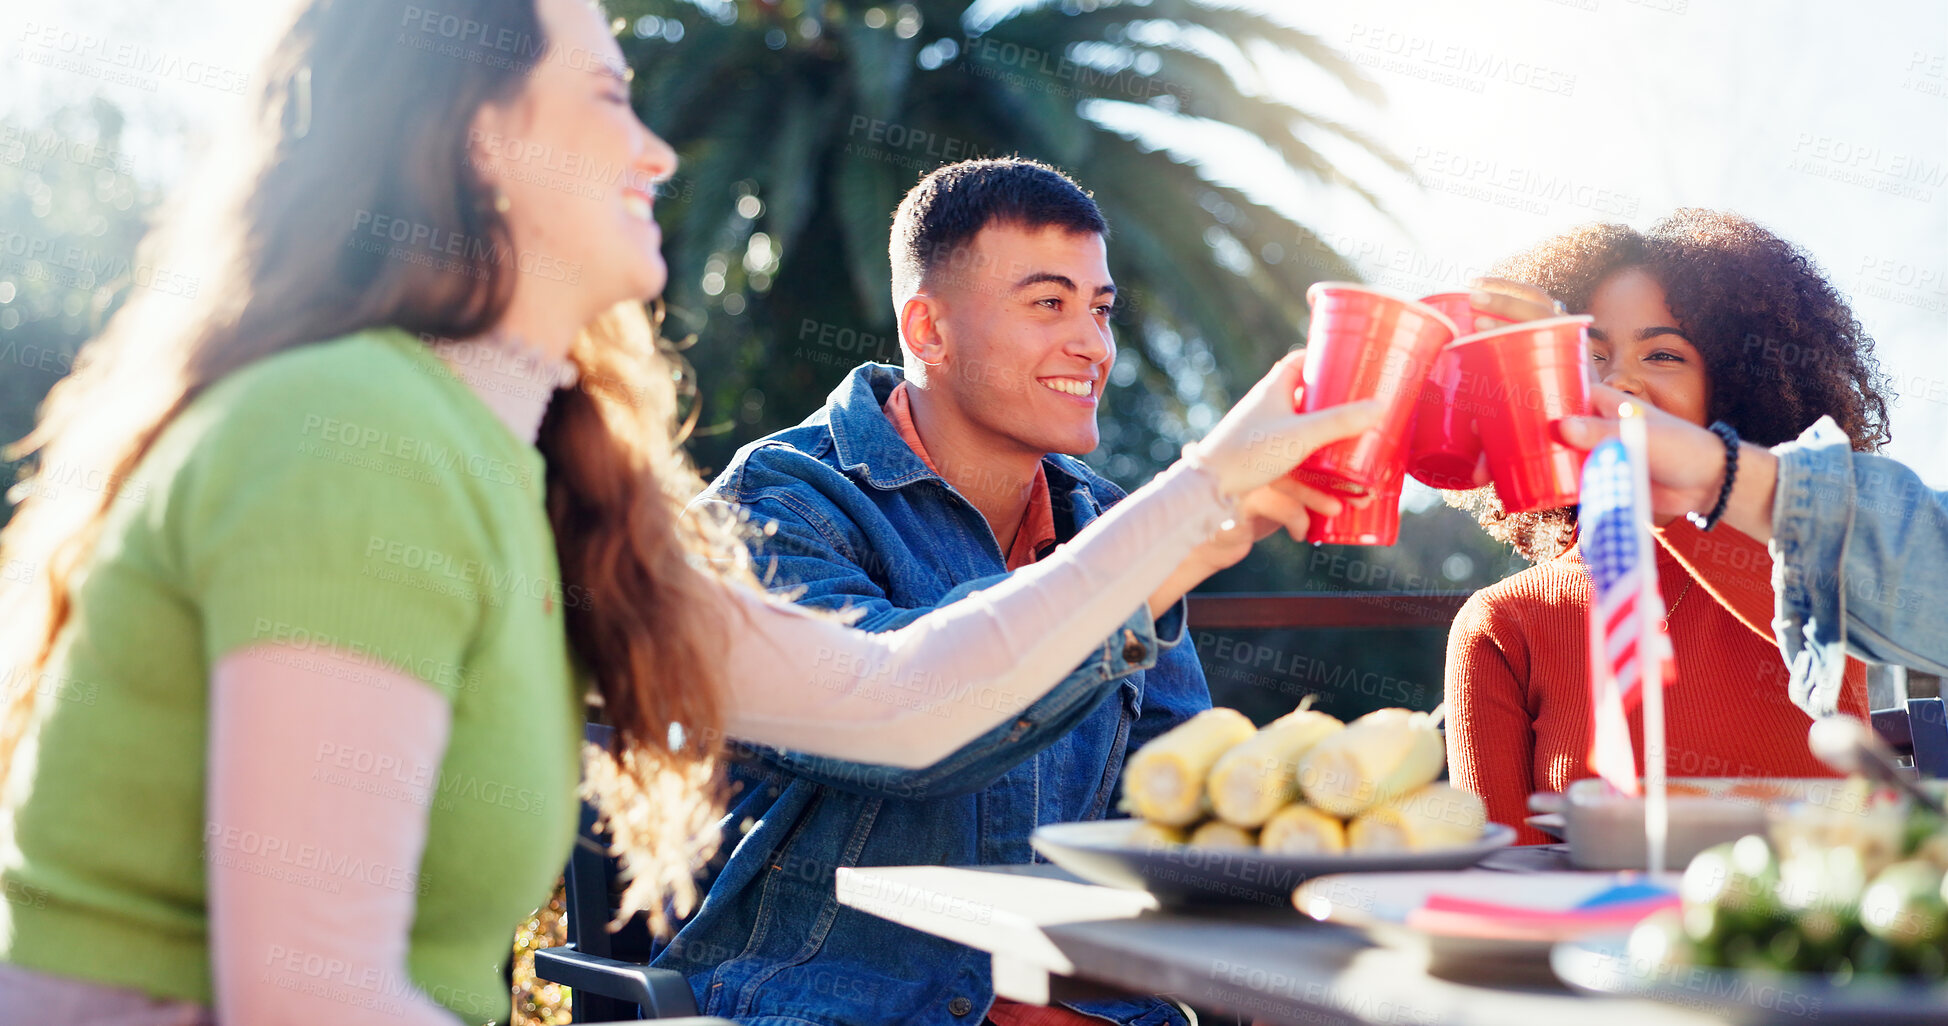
x=1550, y=823
x=1101, y=852
x=1602, y=966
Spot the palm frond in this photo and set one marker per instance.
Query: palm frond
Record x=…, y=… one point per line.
x=828, y=110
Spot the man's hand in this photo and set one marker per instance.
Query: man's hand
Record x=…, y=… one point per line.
x=1510, y=300
x=1282, y=503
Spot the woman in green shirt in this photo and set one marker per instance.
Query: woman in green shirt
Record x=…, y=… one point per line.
x=319, y=554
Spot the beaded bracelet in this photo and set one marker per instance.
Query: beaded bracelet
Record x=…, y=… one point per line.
x=1730, y=438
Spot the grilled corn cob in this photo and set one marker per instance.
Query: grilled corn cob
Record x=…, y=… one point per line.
x=1219, y=834
x=1436, y=816
x=1260, y=776
x=1152, y=835
x=1164, y=782
x=1377, y=758
x=1299, y=829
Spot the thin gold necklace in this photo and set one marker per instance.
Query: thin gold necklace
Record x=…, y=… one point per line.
x=1680, y=601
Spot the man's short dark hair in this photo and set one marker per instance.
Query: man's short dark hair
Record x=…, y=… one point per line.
x=942, y=214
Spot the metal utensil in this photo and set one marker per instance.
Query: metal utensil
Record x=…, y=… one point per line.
x=1850, y=746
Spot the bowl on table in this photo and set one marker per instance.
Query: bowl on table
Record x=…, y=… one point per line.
x=1605, y=829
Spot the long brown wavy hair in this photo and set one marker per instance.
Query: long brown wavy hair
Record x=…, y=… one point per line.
x=1780, y=346
x=351, y=120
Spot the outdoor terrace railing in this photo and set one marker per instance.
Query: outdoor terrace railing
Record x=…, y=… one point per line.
x=1324, y=610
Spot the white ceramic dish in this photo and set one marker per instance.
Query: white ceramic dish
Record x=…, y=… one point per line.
x=1605, y=830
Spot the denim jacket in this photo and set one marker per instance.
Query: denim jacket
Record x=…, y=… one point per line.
x=854, y=519
x=1859, y=564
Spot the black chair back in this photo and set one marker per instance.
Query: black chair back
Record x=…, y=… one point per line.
x=594, y=886
x=608, y=969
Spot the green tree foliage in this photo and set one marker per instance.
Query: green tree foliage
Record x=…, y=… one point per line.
x=802, y=122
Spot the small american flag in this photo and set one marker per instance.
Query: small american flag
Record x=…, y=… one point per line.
x=1627, y=640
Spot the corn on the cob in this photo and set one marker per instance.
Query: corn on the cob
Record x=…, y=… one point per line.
x=1436, y=816
x=1164, y=782
x=1148, y=835
x=1219, y=834
x=1377, y=758
x=1260, y=776
x=1300, y=829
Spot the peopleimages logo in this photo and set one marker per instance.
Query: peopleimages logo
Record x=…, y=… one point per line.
x=496, y=580
x=1528, y=189
x=403, y=455
x=1897, y=173
x=33, y=149
x=415, y=240
x=477, y=42
x=123, y=62
x=1048, y=71
x=1446, y=63
x=919, y=141
x=70, y=266
x=599, y=173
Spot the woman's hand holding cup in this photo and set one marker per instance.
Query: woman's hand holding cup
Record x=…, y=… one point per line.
x=1264, y=437
x=1251, y=453
x=1687, y=462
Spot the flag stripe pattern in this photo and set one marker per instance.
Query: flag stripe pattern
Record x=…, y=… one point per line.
x=1622, y=574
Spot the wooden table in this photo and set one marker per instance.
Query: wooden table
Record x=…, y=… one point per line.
x=1040, y=924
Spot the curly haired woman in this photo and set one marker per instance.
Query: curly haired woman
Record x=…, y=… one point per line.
x=1711, y=317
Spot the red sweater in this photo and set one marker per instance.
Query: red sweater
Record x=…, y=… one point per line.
x=1518, y=676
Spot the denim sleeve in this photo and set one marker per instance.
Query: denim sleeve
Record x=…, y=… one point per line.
x=1173, y=692
x=1171, y=626
x=1860, y=565
x=806, y=555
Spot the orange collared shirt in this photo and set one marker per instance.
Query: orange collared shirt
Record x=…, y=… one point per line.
x=1037, y=531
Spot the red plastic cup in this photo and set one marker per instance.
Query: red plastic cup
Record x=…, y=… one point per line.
x=1529, y=374
x=1377, y=524
x=1444, y=447
x=1456, y=307
x=1366, y=344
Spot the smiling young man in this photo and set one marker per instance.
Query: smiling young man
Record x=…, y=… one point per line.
x=906, y=491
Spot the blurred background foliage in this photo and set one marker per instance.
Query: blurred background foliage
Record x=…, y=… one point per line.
x=800, y=124
x=71, y=211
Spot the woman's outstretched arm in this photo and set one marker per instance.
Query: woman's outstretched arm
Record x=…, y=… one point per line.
x=913, y=696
